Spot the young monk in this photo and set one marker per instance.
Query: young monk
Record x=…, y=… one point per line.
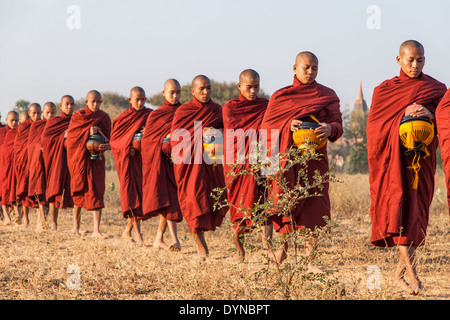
x=58, y=193
x=21, y=164
x=36, y=178
x=243, y=113
x=129, y=161
x=196, y=178
x=289, y=107
x=7, y=177
x=399, y=212
x=160, y=188
x=88, y=176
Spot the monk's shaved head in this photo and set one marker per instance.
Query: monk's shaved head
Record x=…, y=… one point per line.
x=172, y=83
x=67, y=96
x=411, y=58
x=12, y=119
x=201, y=88
x=35, y=105
x=306, y=67
x=409, y=44
x=24, y=116
x=200, y=78
x=172, y=91
x=137, y=90
x=94, y=93
x=300, y=56
x=12, y=114
x=249, y=84
x=50, y=104
x=248, y=74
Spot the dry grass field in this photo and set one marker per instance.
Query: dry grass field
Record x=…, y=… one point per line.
x=47, y=265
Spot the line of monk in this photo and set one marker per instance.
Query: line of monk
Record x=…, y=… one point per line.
x=44, y=164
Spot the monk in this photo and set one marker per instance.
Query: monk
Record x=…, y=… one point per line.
x=88, y=175
x=128, y=160
x=36, y=178
x=21, y=164
x=287, y=109
x=442, y=125
x=243, y=113
x=399, y=212
x=195, y=176
x=159, y=185
x=7, y=177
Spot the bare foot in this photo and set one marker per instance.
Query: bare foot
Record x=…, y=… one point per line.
x=98, y=235
x=53, y=226
x=401, y=284
x=127, y=237
x=158, y=244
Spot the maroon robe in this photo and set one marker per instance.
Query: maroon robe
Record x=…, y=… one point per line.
x=36, y=178
x=243, y=190
x=7, y=175
x=129, y=168
x=195, y=178
x=87, y=176
x=299, y=101
x=21, y=165
x=443, y=131
x=399, y=213
x=55, y=160
x=159, y=185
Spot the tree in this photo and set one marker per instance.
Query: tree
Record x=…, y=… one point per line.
x=21, y=105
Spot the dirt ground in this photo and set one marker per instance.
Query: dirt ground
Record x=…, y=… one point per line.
x=61, y=266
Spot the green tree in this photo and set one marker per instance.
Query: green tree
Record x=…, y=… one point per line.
x=21, y=105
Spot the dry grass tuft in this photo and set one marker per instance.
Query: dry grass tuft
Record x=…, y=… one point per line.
x=35, y=265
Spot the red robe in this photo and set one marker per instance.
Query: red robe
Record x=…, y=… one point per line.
x=87, y=176
x=299, y=101
x=159, y=183
x=240, y=113
x=399, y=213
x=129, y=168
x=443, y=130
x=21, y=165
x=195, y=178
x=3, y=130
x=8, y=177
x=36, y=178
x=55, y=160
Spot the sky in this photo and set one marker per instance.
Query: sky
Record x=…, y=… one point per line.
x=49, y=48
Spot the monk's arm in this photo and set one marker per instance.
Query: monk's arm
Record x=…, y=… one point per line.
x=334, y=119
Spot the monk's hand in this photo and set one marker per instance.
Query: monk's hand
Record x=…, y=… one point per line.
x=295, y=124
x=324, y=131
x=132, y=152
x=65, y=134
x=417, y=110
x=94, y=130
x=104, y=146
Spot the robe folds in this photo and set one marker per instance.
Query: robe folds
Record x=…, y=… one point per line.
x=55, y=159
x=398, y=212
x=7, y=174
x=195, y=178
x=36, y=168
x=21, y=164
x=159, y=185
x=243, y=190
x=300, y=101
x=87, y=176
x=3, y=130
x=443, y=131
x=129, y=168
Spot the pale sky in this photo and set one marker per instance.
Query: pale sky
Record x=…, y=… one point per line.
x=121, y=44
